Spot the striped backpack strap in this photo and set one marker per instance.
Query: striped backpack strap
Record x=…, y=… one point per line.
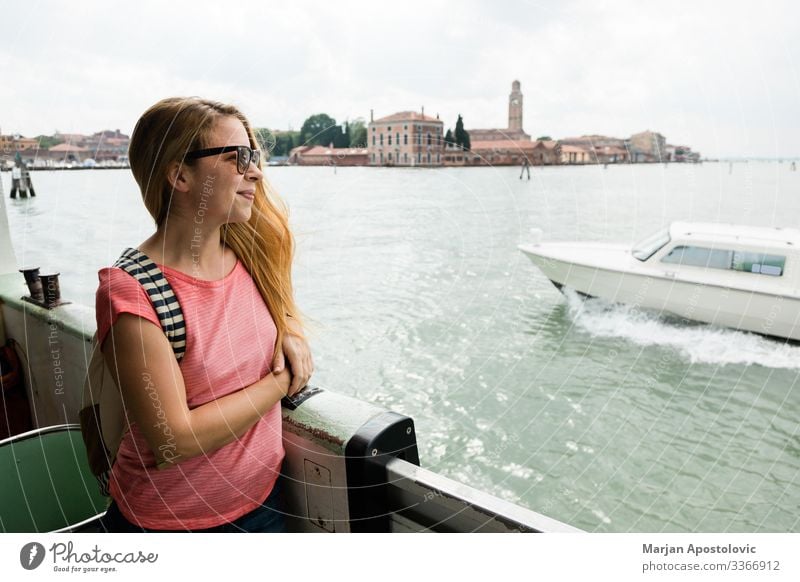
x=163, y=298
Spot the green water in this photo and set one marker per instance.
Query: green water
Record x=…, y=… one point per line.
x=605, y=419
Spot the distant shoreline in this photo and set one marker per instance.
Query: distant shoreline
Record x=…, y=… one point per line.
x=517, y=166
x=46, y=169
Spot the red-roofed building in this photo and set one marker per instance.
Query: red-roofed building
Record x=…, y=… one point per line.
x=317, y=155
x=493, y=152
x=576, y=154
x=507, y=152
x=17, y=143
x=407, y=138
x=546, y=153
x=611, y=154
x=648, y=146
x=593, y=149
x=65, y=152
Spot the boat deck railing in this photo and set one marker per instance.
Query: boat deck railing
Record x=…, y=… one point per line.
x=421, y=500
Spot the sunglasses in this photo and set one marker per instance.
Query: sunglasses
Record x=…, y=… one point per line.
x=244, y=155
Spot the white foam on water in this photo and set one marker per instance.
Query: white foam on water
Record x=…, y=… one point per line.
x=601, y=516
x=474, y=447
x=518, y=470
x=705, y=344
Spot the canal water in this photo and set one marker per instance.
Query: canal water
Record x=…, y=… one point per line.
x=607, y=419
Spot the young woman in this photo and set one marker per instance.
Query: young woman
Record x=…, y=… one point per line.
x=204, y=450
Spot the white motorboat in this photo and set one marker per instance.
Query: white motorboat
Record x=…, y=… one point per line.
x=742, y=277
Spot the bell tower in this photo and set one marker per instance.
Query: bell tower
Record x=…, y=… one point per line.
x=515, y=108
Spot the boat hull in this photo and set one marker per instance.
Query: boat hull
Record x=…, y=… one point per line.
x=726, y=306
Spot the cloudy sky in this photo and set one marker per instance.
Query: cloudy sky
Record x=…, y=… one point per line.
x=719, y=76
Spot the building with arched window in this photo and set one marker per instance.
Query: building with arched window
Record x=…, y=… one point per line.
x=407, y=138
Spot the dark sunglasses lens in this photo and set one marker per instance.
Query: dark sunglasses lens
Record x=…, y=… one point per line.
x=242, y=159
x=246, y=156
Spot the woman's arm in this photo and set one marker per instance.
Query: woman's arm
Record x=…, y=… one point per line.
x=142, y=362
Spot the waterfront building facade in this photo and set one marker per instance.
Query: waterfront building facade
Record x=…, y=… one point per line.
x=17, y=143
x=506, y=146
x=67, y=153
x=648, y=146
x=11, y=145
x=575, y=154
x=594, y=149
x=547, y=152
x=107, y=145
x=682, y=153
x=407, y=138
x=507, y=152
x=316, y=155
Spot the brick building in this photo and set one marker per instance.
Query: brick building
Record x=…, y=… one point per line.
x=576, y=154
x=317, y=155
x=105, y=145
x=407, y=138
x=593, y=149
x=10, y=145
x=506, y=152
x=68, y=153
x=17, y=143
x=514, y=131
x=648, y=146
x=502, y=146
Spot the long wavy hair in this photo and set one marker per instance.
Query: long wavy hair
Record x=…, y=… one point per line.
x=265, y=245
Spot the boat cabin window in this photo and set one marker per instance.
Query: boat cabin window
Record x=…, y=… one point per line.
x=726, y=259
x=651, y=245
x=759, y=263
x=699, y=257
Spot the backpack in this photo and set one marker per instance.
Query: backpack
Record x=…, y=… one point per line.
x=102, y=415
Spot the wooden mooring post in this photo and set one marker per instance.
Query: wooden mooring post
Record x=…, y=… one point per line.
x=21, y=179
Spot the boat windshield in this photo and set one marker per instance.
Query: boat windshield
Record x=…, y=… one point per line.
x=646, y=248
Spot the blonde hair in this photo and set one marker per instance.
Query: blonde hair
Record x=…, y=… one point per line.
x=265, y=245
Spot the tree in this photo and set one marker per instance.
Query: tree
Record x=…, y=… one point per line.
x=358, y=133
x=48, y=141
x=544, y=138
x=448, y=137
x=275, y=143
x=285, y=142
x=341, y=137
x=462, y=136
x=266, y=140
x=319, y=129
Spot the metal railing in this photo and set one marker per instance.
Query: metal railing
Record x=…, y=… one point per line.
x=421, y=500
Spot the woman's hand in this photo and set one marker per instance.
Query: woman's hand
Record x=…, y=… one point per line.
x=284, y=381
x=296, y=350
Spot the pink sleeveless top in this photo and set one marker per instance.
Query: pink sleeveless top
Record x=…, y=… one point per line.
x=230, y=342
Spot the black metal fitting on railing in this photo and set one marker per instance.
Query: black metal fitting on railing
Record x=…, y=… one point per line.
x=34, y=283
x=389, y=435
x=44, y=289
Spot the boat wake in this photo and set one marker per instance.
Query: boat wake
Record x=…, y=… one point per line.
x=699, y=343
